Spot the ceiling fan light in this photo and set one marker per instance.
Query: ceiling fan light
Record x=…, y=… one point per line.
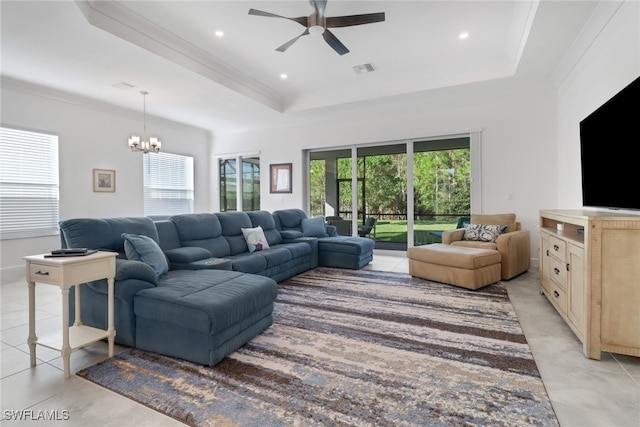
x=316, y=30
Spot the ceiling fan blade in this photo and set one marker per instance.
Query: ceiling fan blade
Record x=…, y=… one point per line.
x=288, y=44
x=333, y=41
x=302, y=20
x=350, y=20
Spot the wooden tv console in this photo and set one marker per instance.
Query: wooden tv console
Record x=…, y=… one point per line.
x=590, y=271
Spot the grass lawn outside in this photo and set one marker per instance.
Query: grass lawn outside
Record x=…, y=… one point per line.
x=396, y=230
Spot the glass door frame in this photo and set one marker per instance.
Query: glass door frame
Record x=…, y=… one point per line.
x=475, y=147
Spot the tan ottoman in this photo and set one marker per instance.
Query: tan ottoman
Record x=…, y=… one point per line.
x=469, y=268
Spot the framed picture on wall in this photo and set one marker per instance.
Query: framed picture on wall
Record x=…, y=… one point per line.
x=280, y=178
x=104, y=180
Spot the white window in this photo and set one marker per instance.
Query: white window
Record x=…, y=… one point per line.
x=29, y=190
x=168, y=184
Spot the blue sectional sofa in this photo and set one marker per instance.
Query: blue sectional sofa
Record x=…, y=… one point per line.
x=189, y=286
x=333, y=250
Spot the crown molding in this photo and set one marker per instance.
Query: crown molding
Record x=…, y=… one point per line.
x=116, y=19
x=597, y=22
x=16, y=85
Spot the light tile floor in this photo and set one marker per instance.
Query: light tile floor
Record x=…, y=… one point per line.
x=583, y=392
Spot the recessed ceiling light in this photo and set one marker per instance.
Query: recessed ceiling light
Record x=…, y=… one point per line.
x=284, y=76
x=219, y=33
x=463, y=36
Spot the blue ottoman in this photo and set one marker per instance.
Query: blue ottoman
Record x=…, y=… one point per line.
x=345, y=252
x=204, y=315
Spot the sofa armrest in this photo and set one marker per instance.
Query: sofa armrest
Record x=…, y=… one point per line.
x=515, y=249
x=452, y=236
x=187, y=254
x=129, y=269
x=311, y=241
x=290, y=235
x=131, y=277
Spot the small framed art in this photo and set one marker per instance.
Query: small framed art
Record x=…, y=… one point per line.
x=280, y=178
x=104, y=180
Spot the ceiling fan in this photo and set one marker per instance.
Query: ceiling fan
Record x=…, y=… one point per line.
x=317, y=23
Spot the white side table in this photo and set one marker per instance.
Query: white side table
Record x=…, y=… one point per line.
x=65, y=272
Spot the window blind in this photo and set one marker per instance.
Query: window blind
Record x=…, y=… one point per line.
x=168, y=184
x=29, y=188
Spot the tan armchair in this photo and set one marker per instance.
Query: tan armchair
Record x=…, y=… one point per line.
x=514, y=244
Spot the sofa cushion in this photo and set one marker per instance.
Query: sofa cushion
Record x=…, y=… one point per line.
x=232, y=224
x=187, y=254
x=346, y=245
x=167, y=235
x=256, y=241
x=267, y=221
x=279, y=256
x=105, y=233
x=139, y=247
x=247, y=262
x=314, y=227
x=290, y=219
x=483, y=232
x=475, y=244
x=291, y=234
x=205, y=300
x=202, y=230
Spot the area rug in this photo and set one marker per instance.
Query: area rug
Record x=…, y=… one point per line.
x=355, y=348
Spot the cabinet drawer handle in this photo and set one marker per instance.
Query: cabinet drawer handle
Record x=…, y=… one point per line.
x=556, y=270
x=556, y=294
x=556, y=248
x=46, y=273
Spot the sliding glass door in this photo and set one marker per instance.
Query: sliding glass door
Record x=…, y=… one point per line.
x=441, y=187
x=409, y=191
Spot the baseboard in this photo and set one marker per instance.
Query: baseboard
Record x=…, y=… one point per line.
x=12, y=274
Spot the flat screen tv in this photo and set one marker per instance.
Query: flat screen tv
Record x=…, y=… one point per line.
x=610, y=152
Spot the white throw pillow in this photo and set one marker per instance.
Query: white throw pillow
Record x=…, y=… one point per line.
x=256, y=241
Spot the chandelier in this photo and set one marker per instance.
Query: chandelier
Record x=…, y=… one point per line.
x=144, y=144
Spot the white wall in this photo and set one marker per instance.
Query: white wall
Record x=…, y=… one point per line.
x=608, y=59
x=518, y=144
x=93, y=135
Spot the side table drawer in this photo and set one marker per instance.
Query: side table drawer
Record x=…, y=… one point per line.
x=44, y=273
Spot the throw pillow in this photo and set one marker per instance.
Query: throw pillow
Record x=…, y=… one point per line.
x=139, y=247
x=256, y=241
x=314, y=227
x=496, y=219
x=483, y=232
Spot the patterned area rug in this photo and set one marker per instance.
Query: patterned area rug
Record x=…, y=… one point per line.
x=361, y=348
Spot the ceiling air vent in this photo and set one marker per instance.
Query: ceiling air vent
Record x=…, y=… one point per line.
x=123, y=85
x=364, y=68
